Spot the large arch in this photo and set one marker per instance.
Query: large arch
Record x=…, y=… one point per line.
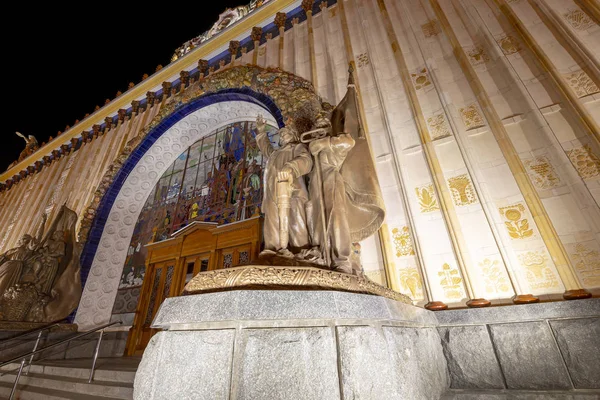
x=234, y=95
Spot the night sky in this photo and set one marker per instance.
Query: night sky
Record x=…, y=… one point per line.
x=61, y=62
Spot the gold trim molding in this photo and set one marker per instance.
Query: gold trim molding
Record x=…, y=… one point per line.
x=279, y=277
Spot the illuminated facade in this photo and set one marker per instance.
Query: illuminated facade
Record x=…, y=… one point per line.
x=483, y=119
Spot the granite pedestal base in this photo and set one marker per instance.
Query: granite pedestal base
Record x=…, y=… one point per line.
x=292, y=345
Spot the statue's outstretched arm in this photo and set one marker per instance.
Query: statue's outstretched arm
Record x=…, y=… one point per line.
x=23, y=136
x=262, y=140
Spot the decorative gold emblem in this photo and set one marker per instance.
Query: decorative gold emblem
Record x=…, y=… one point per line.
x=463, y=192
x=477, y=55
x=581, y=84
x=403, y=242
x=509, y=45
x=585, y=161
x=430, y=28
x=427, y=199
x=420, y=79
x=471, y=117
x=587, y=264
x=538, y=274
x=578, y=19
x=253, y=276
x=542, y=173
x=410, y=280
x=438, y=127
x=363, y=60
x=516, y=225
x=451, y=282
x=495, y=280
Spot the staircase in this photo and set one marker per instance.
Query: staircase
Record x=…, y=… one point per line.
x=68, y=379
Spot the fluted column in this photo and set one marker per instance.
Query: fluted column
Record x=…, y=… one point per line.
x=307, y=7
x=280, y=19
x=532, y=199
x=256, y=36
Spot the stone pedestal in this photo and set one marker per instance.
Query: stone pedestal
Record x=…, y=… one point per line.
x=255, y=344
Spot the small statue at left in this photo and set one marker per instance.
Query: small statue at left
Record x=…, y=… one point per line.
x=31, y=145
x=40, y=278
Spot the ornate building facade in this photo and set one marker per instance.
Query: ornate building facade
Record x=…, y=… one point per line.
x=483, y=119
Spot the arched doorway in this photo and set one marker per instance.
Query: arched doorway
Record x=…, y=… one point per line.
x=237, y=94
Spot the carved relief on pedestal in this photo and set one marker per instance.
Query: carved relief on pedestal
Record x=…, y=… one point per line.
x=363, y=60
x=538, y=273
x=438, y=127
x=586, y=261
x=451, y=282
x=585, y=162
x=494, y=278
x=471, y=117
x=542, y=173
x=420, y=79
x=427, y=200
x=578, y=19
x=477, y=55
x=516, y=224
x=581, y=84
x=463, y=192
x=411, y=283
x=403, y=242
x=509, y=45
x=430, y=28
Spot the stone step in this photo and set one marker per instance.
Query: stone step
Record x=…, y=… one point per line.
x=25, y=392
x=459, y=394
x=101, y=389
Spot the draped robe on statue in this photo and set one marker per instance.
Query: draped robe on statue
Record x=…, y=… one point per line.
x=354, y=208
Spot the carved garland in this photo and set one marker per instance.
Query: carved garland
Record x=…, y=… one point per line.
x=295, y=97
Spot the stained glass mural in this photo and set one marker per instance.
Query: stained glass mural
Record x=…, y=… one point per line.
x=217, y=179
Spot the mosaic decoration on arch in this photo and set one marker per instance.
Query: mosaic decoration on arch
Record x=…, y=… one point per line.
x=295, y=97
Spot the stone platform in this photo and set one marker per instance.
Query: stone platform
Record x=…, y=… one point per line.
x=257, y=344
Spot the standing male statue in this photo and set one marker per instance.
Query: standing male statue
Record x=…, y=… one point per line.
x=285, y=224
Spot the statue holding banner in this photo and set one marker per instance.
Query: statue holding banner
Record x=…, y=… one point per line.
x=321, y=190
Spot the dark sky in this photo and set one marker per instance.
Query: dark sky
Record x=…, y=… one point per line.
x=60, y=62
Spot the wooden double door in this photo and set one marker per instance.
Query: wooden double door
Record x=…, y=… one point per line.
x=171, y=264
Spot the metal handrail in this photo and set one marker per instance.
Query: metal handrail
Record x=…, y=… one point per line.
x=23, y=357
x=43, y=328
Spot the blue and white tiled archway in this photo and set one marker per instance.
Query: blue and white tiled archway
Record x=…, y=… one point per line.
x=106, y=249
